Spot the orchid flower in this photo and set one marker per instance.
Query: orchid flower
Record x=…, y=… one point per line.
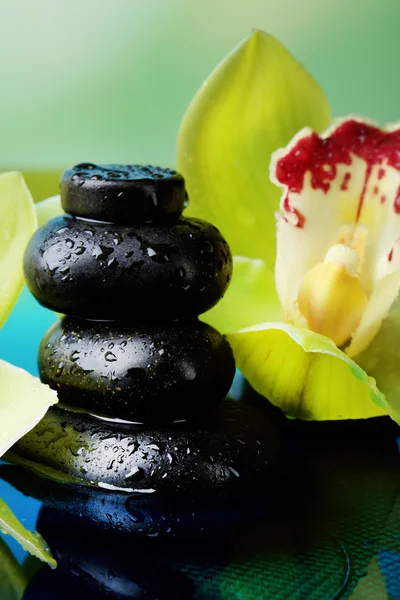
x=24, y=399
x=320, y=336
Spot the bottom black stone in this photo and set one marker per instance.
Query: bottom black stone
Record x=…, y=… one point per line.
x=90, y=510
x=227, y=456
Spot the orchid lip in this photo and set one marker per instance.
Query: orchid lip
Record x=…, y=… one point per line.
x=342, y=187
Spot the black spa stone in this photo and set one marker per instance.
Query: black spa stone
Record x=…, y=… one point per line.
x=151, y=373
x=117, y=272
x=226, y=456
x=122, y=193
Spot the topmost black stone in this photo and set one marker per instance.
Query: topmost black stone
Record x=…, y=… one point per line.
x=122, y=193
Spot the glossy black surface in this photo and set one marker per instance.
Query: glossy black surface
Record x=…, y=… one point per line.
x=222, y=458
x=136, y=273
x=122, y=193
x=150, y=373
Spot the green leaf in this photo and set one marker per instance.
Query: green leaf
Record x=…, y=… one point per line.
x=18, y=222
x=24, y=400
x=31, y=542
x=251, y=298
x=305, y=374
x=12, y=577
x=251, y=105
x=48, y=208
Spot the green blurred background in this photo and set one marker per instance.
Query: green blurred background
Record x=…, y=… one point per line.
x=109, y=80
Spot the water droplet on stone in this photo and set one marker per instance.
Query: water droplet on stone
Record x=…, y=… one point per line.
x=85, y=166
x=59, y=371
x=110, y=357
x=136, y=516
x=209, y=247
x=106, y=251
x=234, y=472
x=75, y=355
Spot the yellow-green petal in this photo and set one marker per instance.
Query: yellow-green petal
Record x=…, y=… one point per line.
x=48, y=208
x=12, y=577
x=251, y=105
x=31, y=542
x=251, y=297
x=18, y=222
x=24, y=401
x=305, y=374
x=382, y=359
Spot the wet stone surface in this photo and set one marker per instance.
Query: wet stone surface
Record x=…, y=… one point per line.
x=225, y=456
x=152, y=373
x=135, y=273
x=123, y=193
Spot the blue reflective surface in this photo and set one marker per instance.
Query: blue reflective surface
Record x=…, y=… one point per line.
x=21, y=334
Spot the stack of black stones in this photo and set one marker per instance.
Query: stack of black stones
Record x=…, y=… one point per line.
x=140, y=380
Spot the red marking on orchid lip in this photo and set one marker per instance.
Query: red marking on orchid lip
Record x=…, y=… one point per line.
x=375, y=190
x=390, y=255
x=290, y=209
x=363, y=191
x=345, y=182
x=311, y=154
x=383, y=199
x=396, y=204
